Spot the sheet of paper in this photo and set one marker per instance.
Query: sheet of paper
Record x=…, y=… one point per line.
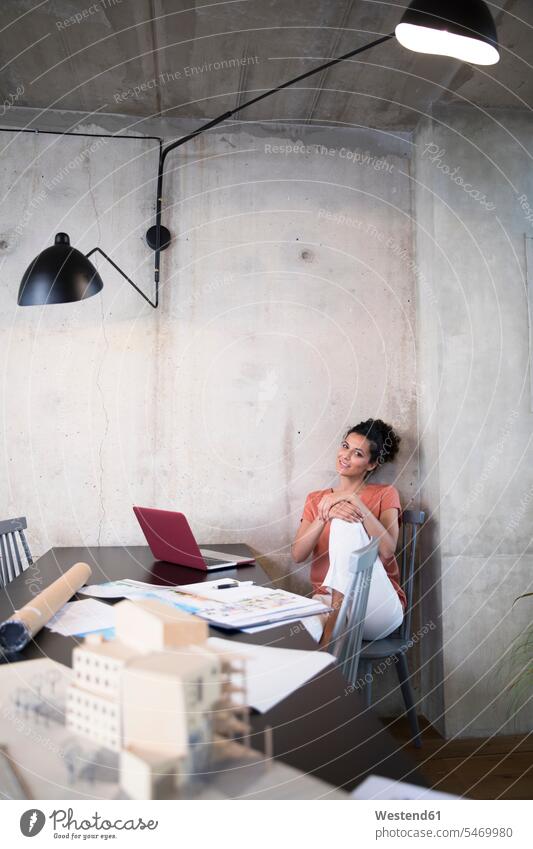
x=138, y=590
x=257, y=628
x=273, y=674
x=249, y=605
x=377, y=787
x=241, y=593
x=118, y=589
x=77, y=618
x=312, y=624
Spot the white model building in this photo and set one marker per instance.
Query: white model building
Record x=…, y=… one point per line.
x=158, y=695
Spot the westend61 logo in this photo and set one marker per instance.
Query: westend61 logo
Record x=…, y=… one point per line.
x=65, y=825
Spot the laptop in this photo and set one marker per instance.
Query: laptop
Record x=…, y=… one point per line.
x=171, y=539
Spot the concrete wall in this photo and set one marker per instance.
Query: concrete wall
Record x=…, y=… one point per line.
x=77, y=379
x=472, y=170
x=285, y=317
x=287, y=313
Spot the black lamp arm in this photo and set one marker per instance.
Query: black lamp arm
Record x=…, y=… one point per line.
x=213, y=123
x=153, y=304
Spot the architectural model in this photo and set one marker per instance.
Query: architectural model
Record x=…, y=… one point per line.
x=159, y=696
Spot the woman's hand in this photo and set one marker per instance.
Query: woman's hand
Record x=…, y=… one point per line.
x=359, y=503
x=347, y=511
x=327, y=502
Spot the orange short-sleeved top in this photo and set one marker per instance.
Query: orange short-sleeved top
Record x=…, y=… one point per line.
x=378, y=498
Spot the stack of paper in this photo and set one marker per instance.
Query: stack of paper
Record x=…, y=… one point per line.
x=242, y=606
x=247, y=605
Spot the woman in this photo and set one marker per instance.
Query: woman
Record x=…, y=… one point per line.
x=377, y=507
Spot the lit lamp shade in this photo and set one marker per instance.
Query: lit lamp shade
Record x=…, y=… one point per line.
x=59, y=275
x=463, y=30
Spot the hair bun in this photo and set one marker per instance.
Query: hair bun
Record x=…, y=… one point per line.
x=384, y=441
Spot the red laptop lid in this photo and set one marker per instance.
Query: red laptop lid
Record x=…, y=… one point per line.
x=170, y=537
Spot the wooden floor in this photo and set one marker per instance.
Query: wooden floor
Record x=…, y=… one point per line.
x=478, y=768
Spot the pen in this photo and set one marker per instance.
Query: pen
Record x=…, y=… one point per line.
x=231, y=584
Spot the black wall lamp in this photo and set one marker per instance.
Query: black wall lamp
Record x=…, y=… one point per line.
x=462, y=30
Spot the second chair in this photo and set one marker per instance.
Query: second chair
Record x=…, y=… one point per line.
x=397, y=645
x=11, y=563
x=347, y=634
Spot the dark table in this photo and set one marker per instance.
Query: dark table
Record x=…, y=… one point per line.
x=322, y=728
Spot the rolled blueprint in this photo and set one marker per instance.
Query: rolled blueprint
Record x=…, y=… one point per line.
x=17, y=631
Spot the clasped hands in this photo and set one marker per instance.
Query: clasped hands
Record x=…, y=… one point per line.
x=340, y=506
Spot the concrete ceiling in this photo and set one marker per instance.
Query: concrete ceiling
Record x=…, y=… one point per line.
x=179, y=58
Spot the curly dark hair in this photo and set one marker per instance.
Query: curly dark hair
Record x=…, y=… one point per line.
x=384, y=441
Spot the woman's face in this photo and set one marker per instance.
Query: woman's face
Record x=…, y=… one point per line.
x=353, y=456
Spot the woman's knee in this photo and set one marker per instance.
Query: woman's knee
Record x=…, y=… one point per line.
x=378, y=627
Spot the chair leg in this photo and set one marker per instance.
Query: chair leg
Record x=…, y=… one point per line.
x=407, y=693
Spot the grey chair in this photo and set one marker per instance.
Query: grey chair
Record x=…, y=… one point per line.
x=11, y=562
x=347, y=635
x=399, y=642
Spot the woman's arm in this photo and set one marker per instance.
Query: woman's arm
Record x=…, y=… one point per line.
x=306, y=538
x=386, y=528
x=331, y=500
x=309, y=532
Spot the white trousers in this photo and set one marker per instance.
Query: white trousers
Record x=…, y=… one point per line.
x=384, y=611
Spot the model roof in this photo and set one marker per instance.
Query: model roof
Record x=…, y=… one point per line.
x=180, y=663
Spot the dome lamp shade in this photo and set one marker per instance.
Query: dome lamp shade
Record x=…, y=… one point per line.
x=59, y=275
x=463, y=30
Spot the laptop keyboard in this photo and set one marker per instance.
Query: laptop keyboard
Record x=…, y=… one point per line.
x=213, y=561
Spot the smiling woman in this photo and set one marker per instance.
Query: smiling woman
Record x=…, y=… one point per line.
x=374, y=507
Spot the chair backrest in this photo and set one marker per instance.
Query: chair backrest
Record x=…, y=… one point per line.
x=348, y=631
x=11, y=563
x=411, y=523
